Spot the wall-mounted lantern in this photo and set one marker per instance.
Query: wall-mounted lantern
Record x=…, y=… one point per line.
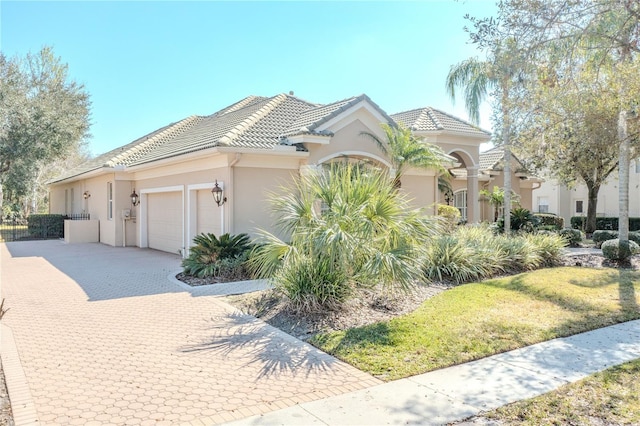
x=218, y=194
x=135, y=198
x=86, y=195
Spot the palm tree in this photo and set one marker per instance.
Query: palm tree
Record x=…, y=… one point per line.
x=404, y=150
x=479, y=79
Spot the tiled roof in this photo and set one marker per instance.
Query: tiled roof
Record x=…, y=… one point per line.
x=310, y=120
x=430, y=119
x=490, y=159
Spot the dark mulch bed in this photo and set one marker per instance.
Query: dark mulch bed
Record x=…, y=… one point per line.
x=195, y=281
x=6, y=418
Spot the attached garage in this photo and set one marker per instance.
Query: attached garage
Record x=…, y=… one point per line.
x=165, y=221
x=208, y=214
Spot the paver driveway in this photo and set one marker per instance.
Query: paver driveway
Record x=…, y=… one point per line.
x=104, y=337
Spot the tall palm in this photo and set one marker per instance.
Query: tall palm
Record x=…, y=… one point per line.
x=479, y=79
x=404, y=151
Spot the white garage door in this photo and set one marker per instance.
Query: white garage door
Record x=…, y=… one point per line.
x=164, y=219
x=208, y=214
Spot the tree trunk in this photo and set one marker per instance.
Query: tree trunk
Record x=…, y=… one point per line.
x=623, y=173
x=506, y=142
x=592, y=205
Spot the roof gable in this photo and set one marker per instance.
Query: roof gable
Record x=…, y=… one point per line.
x=431, y=120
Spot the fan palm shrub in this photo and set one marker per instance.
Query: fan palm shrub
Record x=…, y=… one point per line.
x=212, y=256
x=349, y=227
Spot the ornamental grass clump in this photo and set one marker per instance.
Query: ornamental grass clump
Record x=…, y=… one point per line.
x=473, y=253
x=348, y=228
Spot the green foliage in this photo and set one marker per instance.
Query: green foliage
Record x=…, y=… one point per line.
x=523, y=220
x=605, y=223
x=214, y=257
x=573, y=237
x=552, y=221
x=46, y=225
x=476, y=253
x=405, y=150
x=44, y=116
x=619, y=250
x=450, y=214
x=349, y=227
x=601, y=236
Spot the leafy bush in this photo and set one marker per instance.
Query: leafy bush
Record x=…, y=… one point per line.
x=601, y=236
x=213, y=257
x=521, y=253
x=635, y=237
x=573, y=237
x=46, y=225
x=605, y=223
x=619, y=250
x=550, y=221
x=450, y=214
x=349, y=227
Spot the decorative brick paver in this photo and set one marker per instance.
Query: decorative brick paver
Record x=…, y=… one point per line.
x=104, y=337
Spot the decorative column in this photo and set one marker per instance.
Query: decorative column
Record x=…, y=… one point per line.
x=473, y=201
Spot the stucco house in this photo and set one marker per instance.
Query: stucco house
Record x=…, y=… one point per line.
x=554, y=197
x=248, y=149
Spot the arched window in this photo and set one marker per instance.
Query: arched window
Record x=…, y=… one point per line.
x=460, y=202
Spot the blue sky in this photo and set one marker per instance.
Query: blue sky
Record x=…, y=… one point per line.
x=147, y=64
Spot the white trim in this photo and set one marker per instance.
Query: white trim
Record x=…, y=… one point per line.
x=363, y=104
x=360, y=153
x=305, y=138
x=142, y=220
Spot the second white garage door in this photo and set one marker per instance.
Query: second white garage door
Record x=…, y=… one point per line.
x=164, y=221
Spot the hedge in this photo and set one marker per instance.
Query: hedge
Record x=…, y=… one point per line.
x=550, y=221
x=609, y=223
x=600, y=236
x=46, y=225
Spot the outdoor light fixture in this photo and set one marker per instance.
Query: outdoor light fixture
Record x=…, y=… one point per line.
x=86, y=195
x=135, y=198
x=218, y=194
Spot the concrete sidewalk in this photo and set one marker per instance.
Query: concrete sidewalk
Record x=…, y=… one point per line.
x=458, y=392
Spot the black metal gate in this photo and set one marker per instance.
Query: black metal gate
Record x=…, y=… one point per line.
x=41, y=228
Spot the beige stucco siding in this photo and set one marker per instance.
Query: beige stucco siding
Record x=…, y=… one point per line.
x=348, y=141
x=420, y=190
x=250, y=197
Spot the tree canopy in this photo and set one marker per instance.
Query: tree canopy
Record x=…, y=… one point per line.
x=44, y=117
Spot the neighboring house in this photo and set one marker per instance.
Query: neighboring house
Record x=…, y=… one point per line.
x=249, y=148
x=553, y=197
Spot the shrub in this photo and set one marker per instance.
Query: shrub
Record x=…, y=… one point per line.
x=601, y=236
x=450, y=214
x=619, y=250
x=521, y=253
x=46, y=225
x=213, y=257
x=549, y=247
x=550, y=221
x=365, y=234
x=523, y=220
x=635, y=237
x=572, y=237
x=605, y=223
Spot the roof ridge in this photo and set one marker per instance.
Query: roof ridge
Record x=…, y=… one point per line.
x=429, y=112
x=461, y=120
x=178, y=126
x=245, y=124
x=238, y=105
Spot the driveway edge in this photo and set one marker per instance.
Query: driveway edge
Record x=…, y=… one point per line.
x=22, y=405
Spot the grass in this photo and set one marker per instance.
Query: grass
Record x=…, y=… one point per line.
x=476, y=320
x=7, y=231
x=609, y=397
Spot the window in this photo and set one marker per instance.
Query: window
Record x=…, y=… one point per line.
x=460, y=202
x=637, y=165
x=543, y=204
x=71, y=203
x=110, y=200
x=579, y=206
x=66, y=201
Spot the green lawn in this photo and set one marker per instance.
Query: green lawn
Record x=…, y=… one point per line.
x=481, y=319
x=611, y=397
